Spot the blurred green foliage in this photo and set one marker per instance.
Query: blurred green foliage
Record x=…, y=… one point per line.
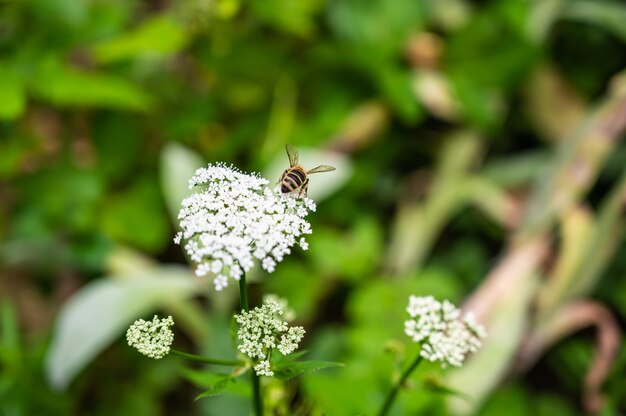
x=444, y=114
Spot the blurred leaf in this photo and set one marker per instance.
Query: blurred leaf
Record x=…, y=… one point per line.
x=577, y=226
x=137, y=217
x=156, y=37
x=418, y=221
x=434, y=92
x=609, y=15
x=396, y=87
x=492, y=200
x=362, y=126
x=517, y=170
x=100, y=312
x=549, y=405
x=293, y=17
x=118, y=144
x=546, y=91
x=505, y=329
x=543, y=15
x=356, y=252
x=510, y=401
x=437, y=386
x=70, y=12
x=177, y=165
x=64, y=86
x=479, y=78
x=281, y=118
x=9, y=333
x=377, y=29
x=303, y=288
x=73, y=205
x=482, y=106
x=289, y=370
x=13, y=99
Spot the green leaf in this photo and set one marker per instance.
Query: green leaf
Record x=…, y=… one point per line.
x=216, y=389
x=13, y=99
x=204, y=377
x=159, y=36
x=282, y=360
x=100, y=312
x=214, y=382
x=64, y=86
x=289, y=370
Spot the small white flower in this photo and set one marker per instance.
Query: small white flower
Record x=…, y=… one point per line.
x=289, y=341
x=263, y=329
x=440, y=330
x=236, y=218
x=151, y=338
x=263, y=369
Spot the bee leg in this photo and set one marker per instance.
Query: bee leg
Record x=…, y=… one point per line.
x=304, y=187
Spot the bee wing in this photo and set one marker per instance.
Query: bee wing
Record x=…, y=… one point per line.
x=322, y=168
x=292, y=154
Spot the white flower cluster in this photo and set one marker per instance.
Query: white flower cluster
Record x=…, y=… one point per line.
x=440, y=330
x=151, y=338
x=235, y=218
x=259, y=332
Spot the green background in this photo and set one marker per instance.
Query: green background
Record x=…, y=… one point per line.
x=463, y=131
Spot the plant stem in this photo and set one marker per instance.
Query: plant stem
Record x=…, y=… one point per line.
x=256, y=382
x=206, y=360
x=392, y=394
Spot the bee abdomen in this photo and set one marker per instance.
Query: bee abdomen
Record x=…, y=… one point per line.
x=292, y=180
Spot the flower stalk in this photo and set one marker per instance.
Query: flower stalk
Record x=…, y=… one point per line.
x=257, y=399
x=206, y=360
x=394, y=391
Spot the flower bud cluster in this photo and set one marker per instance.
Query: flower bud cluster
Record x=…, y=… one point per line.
x=262, y=330
x=151, y=338
x=445, y=335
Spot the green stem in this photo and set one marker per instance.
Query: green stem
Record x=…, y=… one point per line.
x=207, y=360
x=256, y=381
x=392, y=394
x=243, y=293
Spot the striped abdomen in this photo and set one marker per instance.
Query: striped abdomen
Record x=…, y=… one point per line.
x=292, y=179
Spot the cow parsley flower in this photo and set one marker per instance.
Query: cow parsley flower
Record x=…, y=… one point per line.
x=263, y=329
x=151, y=338
x=444, y=336
x=235, y=218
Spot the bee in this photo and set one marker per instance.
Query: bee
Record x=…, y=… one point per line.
x=295, y=177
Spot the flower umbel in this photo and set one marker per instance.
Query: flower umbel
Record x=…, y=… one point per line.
x=440, y=330
x=151, y=338
x=263, y=329
x=235, y=218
